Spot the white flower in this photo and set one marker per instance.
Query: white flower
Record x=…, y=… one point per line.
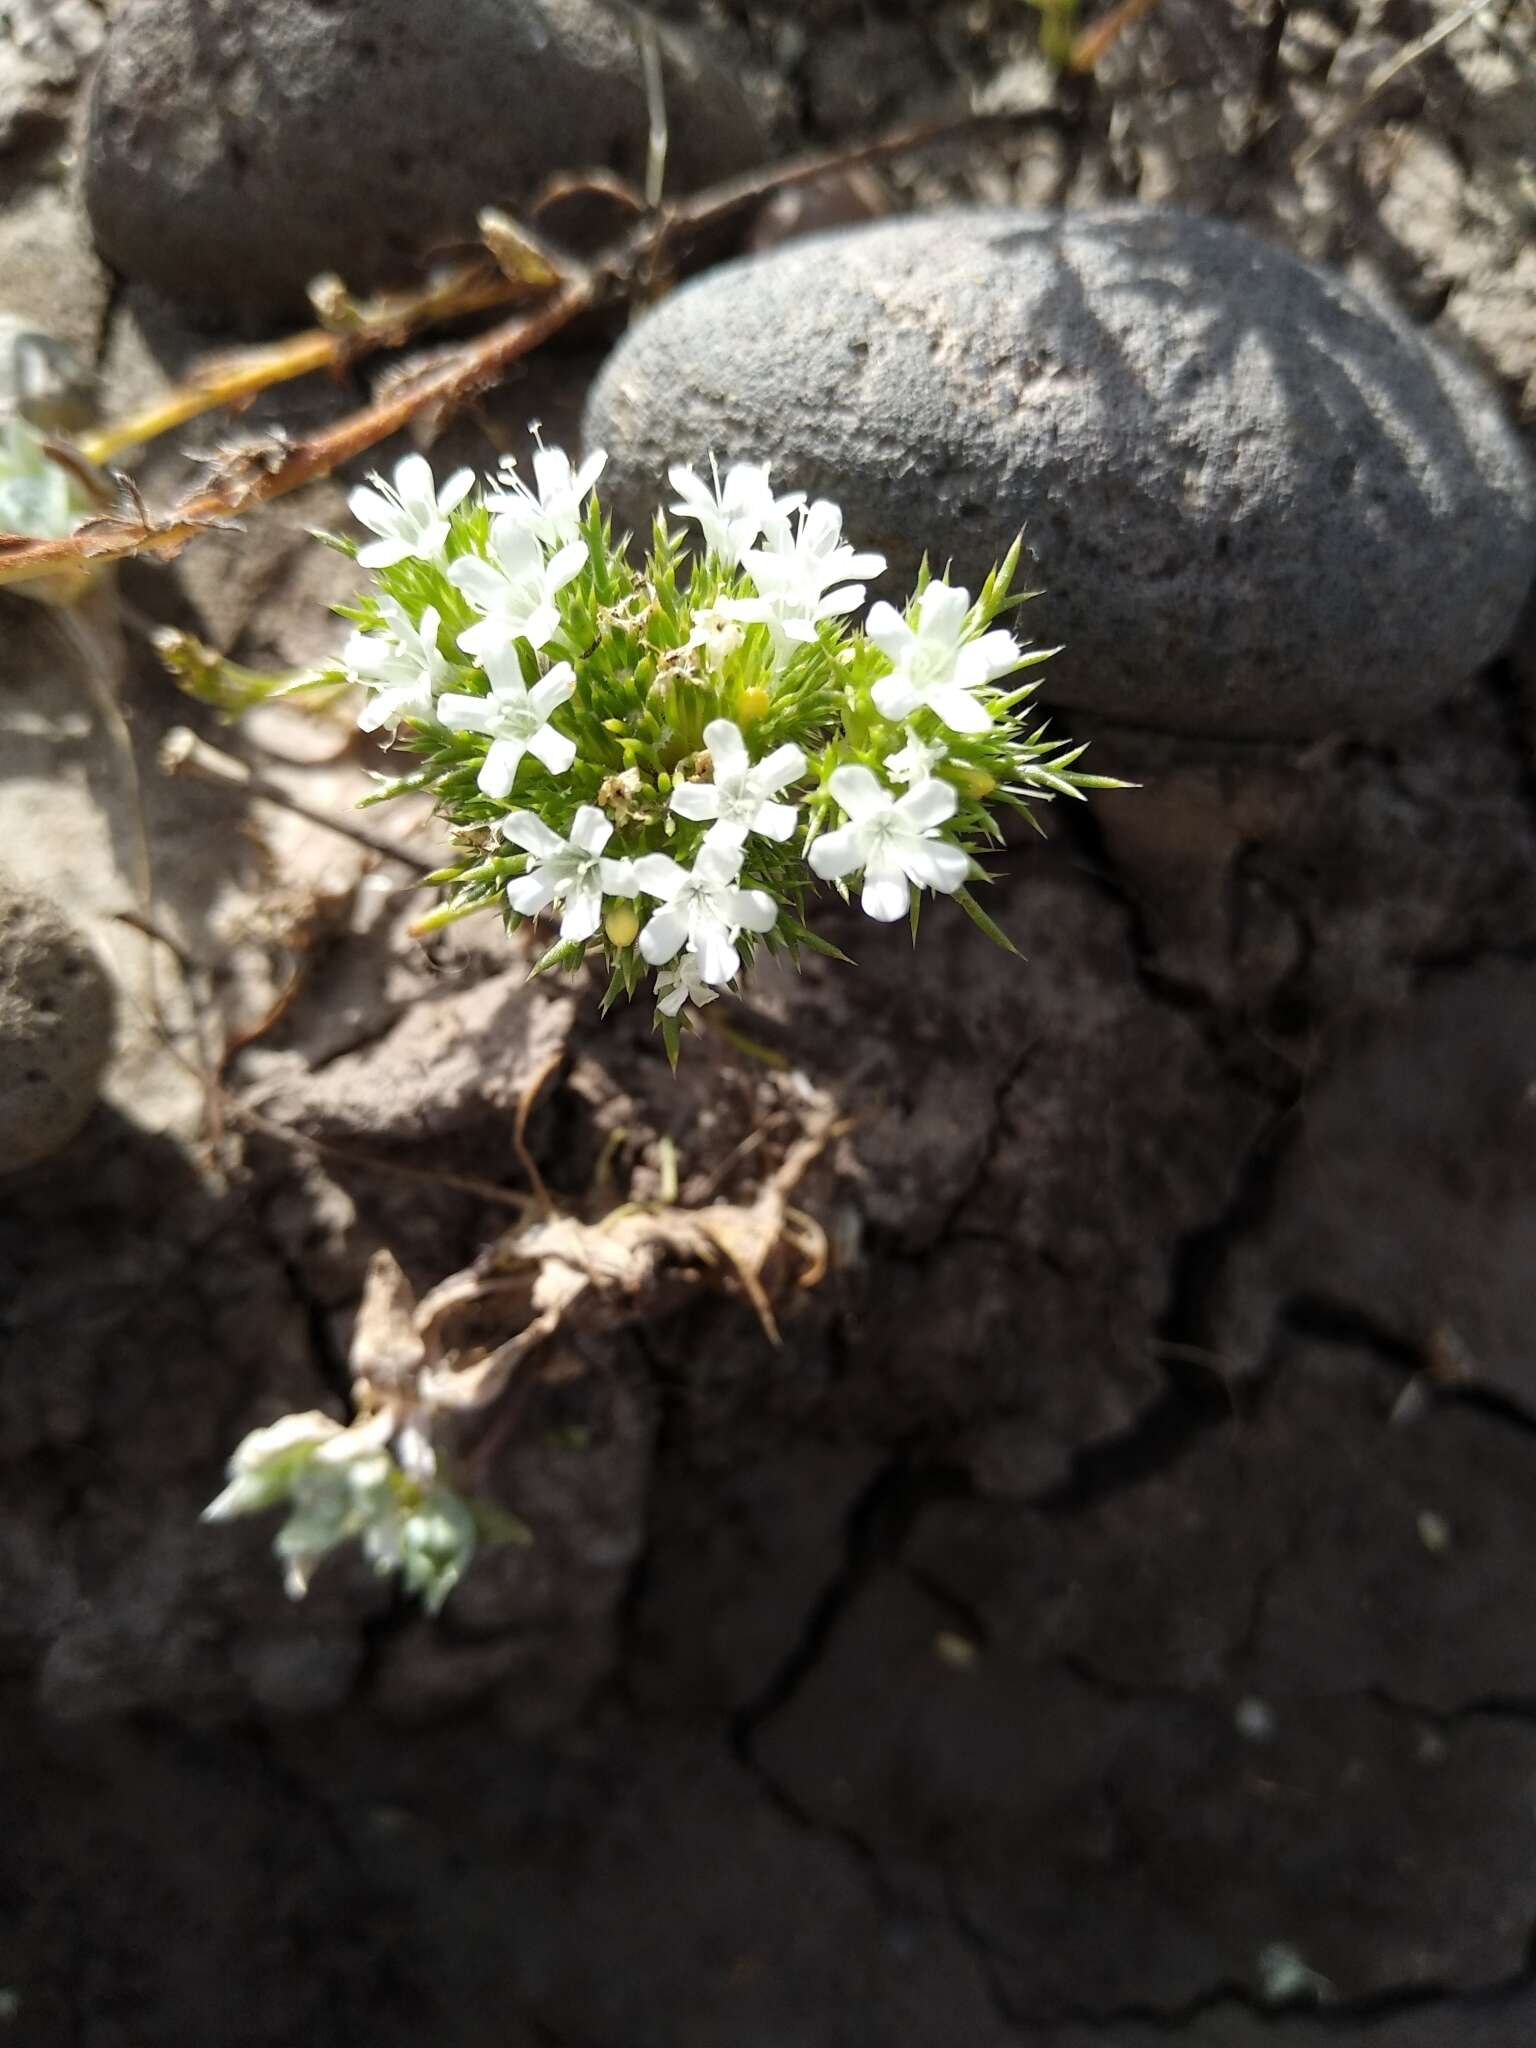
x=552, y=509
x=740, y=798
x=894, y=840
x=265, y=1462
x=682, y=982
x=936, y=666
x=570, y=871
x=403, y=666
x=717, y=633
x=37, y=495
x=916, y=761
x=731, y=515
x=410, y=515
x=800, y=574
x=516, y=718
x=704, y=909
x=514, y=589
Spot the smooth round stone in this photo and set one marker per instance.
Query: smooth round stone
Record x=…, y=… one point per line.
x=1258, y=504
x=55, y=1028
x=236, y=149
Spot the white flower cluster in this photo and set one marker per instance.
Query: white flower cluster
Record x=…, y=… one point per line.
x=344, y=1483
x=877, y=800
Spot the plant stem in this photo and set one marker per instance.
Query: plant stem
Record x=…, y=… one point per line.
x=471, y=370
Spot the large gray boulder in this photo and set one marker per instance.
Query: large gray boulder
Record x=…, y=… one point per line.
x=233, y=151
x=1258, y=503
x=55, y=1028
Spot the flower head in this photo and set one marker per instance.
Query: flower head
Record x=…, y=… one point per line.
x=410, y=516
x=551, y=511
x=514, y=588
x=516, y=718
x=734, y=514
x=936, y=665
x=916, y=761
x=895, y=840
x=572, y=872
x=403, y=666
x=740, y=797
x=799, y=572
x=717, y=633
x=703, y=908
x=680, y=982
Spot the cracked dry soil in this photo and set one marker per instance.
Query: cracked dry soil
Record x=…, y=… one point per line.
x=1105, y=1619
x=1109, y=1600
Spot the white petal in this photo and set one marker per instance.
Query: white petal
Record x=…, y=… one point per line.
x=978, y=664
x=958, y=709
x=886, y=896
x=896, y=696
x=371, y=509
x=537, y=626
x=696, y=800
x=553, y=749
x=775, y=821
x=659, y=875
x=846, y=598
x=485, y=640
x=565, y=563
x=784, y=764
x=889, y=630
x=477, y=579
x=583, y=911
x=941, y=612
x=727, y=748
x=531, y=834
x=717, y=864
x=382, y=554
x=617, y=877
x=590, y=830
x=531, y=893
x=590, y=471
x=729, y=832
x=413, y=481
x=935, y=864
x=719, y=961
x=857, y=790
x=662, y=935
x=930, y=803
x=514, y=546
x=465, y=714
x=501, y=766
x=755, y=910
x=455, y=489
x=837, y=853
x=554, y=689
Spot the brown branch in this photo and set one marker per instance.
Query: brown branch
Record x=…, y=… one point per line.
x=476, y=367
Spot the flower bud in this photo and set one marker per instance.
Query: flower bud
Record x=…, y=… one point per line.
x=621, y=921
x=751, y=705
x=977, y=782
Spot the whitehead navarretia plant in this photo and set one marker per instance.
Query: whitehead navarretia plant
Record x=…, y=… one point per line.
x=666, y=760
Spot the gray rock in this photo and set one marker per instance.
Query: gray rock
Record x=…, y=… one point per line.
x=1258, y=503
x=234, y=152
x=55, y=1028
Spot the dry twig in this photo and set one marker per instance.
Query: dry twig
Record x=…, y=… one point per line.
x=465, y=373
